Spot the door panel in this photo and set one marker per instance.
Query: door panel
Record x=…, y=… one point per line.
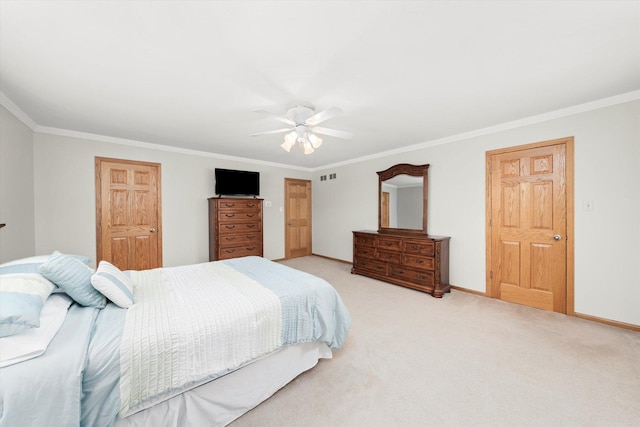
x=298, y=218
x=528, y=225
x=128, y=214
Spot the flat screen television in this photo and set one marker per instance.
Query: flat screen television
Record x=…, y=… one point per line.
x=231, y=182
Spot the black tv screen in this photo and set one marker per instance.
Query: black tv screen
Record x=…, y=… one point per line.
x=237, y=183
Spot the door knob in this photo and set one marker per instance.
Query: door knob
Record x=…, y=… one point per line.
x=153, y=230
x=557, y=237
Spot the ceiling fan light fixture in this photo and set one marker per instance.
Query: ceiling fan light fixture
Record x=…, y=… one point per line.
x=289, y=141
x=286, y=146
x=308, y=149
x=315, y=141
x=304, y=121
x=291, y=137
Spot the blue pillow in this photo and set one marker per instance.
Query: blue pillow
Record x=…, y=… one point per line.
x=22, y=297
x=73, y=277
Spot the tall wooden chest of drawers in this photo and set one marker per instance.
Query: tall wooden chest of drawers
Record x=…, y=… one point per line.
x=235, y=227
x=413, y=261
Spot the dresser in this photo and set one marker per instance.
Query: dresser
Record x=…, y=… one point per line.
x=235, y=227
x=413, y=261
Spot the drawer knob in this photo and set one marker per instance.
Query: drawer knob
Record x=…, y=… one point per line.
x=230, y=227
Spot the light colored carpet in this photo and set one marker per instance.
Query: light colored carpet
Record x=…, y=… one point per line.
x=463, y=360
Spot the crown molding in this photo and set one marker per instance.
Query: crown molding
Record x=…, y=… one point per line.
x=159, y=147
x=569, y=111
x=576, y=109
x=16, y=111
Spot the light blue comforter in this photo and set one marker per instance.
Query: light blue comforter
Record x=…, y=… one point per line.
x=90, y=340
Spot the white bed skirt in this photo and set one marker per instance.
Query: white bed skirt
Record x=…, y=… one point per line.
x=221, y=401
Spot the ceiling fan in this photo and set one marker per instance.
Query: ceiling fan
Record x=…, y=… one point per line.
x=303, y=128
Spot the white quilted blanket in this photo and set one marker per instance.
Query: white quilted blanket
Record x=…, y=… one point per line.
x=191, y=324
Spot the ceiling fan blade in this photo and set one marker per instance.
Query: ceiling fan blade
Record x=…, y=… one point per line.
x=322, y=116
x=333, y=132
x=269, y=132
x=277, y=117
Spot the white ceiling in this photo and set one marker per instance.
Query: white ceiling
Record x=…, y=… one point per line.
x=189, y=74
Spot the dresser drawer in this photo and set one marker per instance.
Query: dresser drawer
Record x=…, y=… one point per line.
x=419, y=247
x=418, y=261
x=239, y=251
x=227, y=240
x=389, y=244
x=372, y=265
x=411, y=275
x=238, y=215
x=239, y=204
x=241, y=227
x=363, y=240
x=365, y=251
x=389, y=256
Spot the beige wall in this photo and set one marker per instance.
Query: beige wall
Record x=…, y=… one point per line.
x=17, y=239
x=65, y=195
x=607, y=239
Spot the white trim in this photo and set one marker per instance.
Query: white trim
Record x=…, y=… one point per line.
x=576, y=109
x=159, y=147
x=16, y=111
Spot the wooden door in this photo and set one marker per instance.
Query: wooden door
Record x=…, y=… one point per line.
x=297, y=202
x=128, y=217
x=529, y=222
x=384, y=219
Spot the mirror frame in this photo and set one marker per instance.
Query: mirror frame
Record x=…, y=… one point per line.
x=404, y=169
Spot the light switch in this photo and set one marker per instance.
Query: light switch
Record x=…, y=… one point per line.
x=267, y=203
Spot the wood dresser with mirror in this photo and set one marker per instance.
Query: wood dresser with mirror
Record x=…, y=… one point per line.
x=400, y=251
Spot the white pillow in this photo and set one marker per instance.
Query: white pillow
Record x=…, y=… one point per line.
x=113, y=284
x=22, y=296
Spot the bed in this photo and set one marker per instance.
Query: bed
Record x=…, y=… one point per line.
x=190, y=345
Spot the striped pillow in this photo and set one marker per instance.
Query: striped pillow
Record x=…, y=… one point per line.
x=74, y=277
x=113, y=283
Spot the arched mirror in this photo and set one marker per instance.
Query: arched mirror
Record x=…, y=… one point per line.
x=402, y=199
